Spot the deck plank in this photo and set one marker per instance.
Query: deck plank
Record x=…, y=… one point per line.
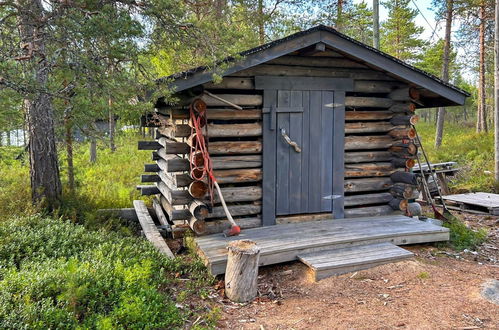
x=282, y=243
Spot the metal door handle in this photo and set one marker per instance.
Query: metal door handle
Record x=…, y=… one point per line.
x=288, y=140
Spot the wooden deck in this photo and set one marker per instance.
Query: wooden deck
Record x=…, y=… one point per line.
x=478, y=202
x=281, y=243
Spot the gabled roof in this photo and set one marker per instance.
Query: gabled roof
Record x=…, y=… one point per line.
x=339, y=42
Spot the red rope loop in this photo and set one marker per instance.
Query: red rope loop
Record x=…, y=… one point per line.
x=199, y=145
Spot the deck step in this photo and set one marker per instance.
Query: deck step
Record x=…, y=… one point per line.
x=345, y=260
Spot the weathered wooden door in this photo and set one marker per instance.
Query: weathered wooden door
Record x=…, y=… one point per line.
x=303, y=137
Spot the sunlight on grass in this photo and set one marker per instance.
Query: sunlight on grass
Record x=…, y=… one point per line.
x=473, y=152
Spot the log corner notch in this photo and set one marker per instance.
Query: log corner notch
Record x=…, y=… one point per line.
x=241, y=274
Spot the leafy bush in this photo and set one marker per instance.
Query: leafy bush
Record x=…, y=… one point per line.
x=463, y=237
x=55, y=274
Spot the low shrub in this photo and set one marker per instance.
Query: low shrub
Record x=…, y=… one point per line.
x=55, y=274
x=462, y=237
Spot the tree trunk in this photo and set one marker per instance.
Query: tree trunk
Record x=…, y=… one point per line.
x=69, y=149
x=93, y=150
x=261, y=22
x=339, y=16
x=44, y=167
x=376, y=24
x=112, y=146
x=241, y=275
x=496, y=93
x=482, y=117
x=445, y=70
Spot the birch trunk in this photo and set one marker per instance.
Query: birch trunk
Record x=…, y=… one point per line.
x=496, y=93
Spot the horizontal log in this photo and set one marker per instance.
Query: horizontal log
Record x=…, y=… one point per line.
x=149, y=178
x=368, y=169
x=198, y=226
x=198, y=209
x=232, y=148
x=155, y=156
x=403, y=150
x=367, y=115
x=231, y=194
x=239, y=99
x=403, y=133
x=367, y=156
x=238, y=175
x=368, y=102
x=403, y=107
x=173, y=131
x=369, y=211
x=174, y=196
x=404, y=120
x=172, y=147
x=148, y=190
x=232, y=83
x=368, y=127
x=234, y=130
x=368, y=142
x=284, y=70
x=404, y=191
x=235, y=210
x=218, y=211
x=404, y=177
x=233, y=114
x=317, y=62
x=367, y=184
x=148, y=145
x=173, y=164
x=232, y=162
x=414, y=209
x=151, y=168
x=404, y=94
x=198, y=189
x=398, y=204
x=367, y=199
x=381, y=87
x=172, y=212
x=219, y=226
x=403, y=162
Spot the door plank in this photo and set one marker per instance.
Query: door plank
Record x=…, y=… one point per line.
x=314, y=192
x=305, y=151
x=269, y=161
x=283, y=152
x=295, y=166
x=327, y=122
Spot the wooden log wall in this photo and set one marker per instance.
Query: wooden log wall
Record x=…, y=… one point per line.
x=378, y=143
x=235, y=144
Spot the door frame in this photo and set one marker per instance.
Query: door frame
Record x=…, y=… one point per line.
x=270, y=85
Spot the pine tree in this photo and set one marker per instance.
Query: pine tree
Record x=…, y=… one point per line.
x=400, y=34
x=358, y=22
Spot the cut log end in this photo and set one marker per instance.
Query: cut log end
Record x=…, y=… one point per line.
x=198, y=189
x=198, y=226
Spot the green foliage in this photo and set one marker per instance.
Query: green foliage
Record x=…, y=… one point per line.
x=424, y=275
x=399, y=33
x=462, y=237
x=432, y=59
x=474, y=153
x=56, y=274
x=109, y=183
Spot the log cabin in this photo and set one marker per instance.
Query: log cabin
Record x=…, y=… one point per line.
x=312, y=126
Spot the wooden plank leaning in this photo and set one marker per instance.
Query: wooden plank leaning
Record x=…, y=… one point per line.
x=150, y=230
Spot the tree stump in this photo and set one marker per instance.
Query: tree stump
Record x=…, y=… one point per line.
x=242, y=270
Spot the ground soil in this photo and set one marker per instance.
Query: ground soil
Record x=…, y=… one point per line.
x=438, y=289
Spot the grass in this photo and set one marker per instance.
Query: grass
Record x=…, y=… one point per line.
x=108, y=183
x=474, y=153
x=76, y=270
